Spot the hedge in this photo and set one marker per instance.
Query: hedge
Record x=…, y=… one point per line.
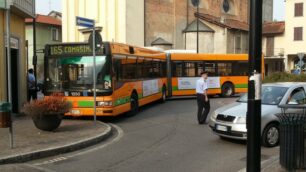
x=284, y=77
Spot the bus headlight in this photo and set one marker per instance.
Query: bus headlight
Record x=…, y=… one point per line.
x=104, y=103
x=241, y=120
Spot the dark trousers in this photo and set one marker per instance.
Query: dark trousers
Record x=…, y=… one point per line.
x=203, y=108
x=32, y=94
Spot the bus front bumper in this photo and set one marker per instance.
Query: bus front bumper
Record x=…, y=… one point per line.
x=90, y=111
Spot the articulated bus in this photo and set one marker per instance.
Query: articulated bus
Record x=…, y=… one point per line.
x=127, y=77
x=228, y=73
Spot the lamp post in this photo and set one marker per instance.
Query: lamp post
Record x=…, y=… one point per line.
x=254, y=88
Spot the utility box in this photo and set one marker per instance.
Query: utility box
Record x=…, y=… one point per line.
x=5, y=115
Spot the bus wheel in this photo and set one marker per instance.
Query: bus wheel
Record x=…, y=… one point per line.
x=164, y=95
x=134, y=105
x=227, y=90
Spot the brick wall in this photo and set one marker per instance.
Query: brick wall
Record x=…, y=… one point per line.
x=167, y=18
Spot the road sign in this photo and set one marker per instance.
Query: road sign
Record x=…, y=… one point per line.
x=98, y=41
x=84, y=22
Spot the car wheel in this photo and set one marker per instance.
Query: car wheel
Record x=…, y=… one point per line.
x=227, y=90
x=134, y=105
x=270, y=136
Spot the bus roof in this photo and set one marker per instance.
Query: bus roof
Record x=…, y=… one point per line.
x=186, y=57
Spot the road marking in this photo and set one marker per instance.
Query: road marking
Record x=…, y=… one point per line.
x=118, y=137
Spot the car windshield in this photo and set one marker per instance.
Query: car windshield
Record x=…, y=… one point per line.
x=271, y=95
x=76, y=73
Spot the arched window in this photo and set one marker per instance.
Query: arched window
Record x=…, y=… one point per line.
x=228, y=7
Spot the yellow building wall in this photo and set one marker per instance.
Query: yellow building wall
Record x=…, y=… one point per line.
x=292, y=46
x=17, y=31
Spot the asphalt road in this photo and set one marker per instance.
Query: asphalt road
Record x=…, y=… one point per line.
x=161, y=138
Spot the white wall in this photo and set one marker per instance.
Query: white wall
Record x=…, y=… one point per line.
x=121, y=21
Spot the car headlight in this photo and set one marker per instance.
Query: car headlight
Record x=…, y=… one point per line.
x=104, y=103
x=214, y=115
x=241, y=120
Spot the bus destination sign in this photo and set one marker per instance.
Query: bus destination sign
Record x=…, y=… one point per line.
x=62, y=50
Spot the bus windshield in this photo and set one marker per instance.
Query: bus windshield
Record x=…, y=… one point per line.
x=76, y=74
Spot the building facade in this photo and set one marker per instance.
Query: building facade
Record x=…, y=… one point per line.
x=117, y=20
x=273, y=46
x=19, y=10
x=295, y=33
x=161, y=23
x=48, y=31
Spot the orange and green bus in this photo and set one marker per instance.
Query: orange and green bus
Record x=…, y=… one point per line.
x=228, y=73
x=127, y=77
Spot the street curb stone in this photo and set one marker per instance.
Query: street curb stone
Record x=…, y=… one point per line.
x=59, y=149
x=264, y=164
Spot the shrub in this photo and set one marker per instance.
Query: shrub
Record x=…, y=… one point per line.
x=50, y=105
x=284, y=77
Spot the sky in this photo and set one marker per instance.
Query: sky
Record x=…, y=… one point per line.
x=45, y=6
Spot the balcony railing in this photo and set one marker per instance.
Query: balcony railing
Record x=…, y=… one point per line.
x=276, y=52
x=25, y=6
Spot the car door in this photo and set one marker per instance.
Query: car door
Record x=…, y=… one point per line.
x=296, y=97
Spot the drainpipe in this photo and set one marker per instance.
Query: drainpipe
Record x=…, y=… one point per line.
x=34, y=52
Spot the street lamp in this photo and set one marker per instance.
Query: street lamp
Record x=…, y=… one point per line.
x=196, y=3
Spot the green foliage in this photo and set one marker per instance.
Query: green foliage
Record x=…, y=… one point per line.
x=284, y=77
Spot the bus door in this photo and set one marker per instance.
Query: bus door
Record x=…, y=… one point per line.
x=169, y=74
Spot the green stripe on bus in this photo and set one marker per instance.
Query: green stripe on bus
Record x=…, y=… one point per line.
x=241, y=86
x=85, y=103
x=122, y=101
x=174, y=88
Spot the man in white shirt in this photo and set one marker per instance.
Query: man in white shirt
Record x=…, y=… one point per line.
x=202, y=98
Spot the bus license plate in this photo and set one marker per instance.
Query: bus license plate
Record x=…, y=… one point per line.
x=221, y=128
x=75, y=112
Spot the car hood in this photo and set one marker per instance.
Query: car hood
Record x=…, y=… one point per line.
x=239, y=109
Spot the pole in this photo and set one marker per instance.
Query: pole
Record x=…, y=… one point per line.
x=34, y=53
x=254, y=88
x=94, y=70
x=8, y=56
x=198, y=28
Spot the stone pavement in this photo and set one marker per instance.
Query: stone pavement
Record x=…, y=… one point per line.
x=31, y=143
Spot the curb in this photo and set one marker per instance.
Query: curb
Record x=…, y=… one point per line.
x=264, y=164
x=59, y=149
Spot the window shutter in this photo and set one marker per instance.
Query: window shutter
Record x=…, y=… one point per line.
x=298, y=33
x=298, y=9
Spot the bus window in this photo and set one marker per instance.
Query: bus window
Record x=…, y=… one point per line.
x=199, y=68
x=189, y=70
x=155, y=70
x=210, y=67
x=147, y=68
x=129, y=68
x=163, y=68
x=177, y=69
x=240, y=69
x=139, y=73
x=224, y=68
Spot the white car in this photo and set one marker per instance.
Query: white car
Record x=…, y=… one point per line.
x=230, y=121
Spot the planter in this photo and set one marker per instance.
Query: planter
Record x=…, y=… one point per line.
x=48, y=122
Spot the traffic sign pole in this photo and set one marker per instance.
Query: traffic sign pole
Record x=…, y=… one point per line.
x=94, y=70
x=84, y=22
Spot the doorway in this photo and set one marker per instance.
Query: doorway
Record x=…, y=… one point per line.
x=14, y=80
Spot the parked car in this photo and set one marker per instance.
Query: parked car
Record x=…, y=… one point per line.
x=230, y=121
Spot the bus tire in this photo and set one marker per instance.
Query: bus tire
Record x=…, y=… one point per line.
x=134, y=105
x=164, y=95
x=227, y=89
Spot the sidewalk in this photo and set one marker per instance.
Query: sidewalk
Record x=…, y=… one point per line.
x=31, y=143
